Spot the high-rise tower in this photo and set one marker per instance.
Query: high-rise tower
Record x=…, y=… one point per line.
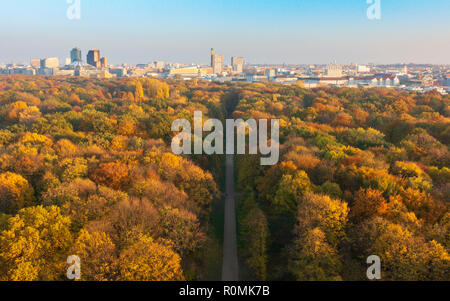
x=93, y=58
x=216, y=62
x=237, y=63
x=75, y=55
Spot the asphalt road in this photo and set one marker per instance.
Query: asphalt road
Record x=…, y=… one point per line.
x=230, y=268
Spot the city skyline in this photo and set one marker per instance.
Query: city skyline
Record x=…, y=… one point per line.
x=264, y=32
x=227, y=60
x=236, y=63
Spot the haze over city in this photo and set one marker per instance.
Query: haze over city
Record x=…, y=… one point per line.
x=263, y=31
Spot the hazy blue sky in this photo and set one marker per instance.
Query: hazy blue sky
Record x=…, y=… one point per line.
x=263, y=31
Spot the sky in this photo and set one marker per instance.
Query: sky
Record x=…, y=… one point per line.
x=262, y=31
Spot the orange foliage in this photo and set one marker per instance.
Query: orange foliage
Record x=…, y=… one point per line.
x=115, y=175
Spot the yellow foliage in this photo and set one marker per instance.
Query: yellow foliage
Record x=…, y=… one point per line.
x=97, y=254
x=119, y=143
x=157, y=89
x=66, y=148
x=19, y=105
x=149, y=261
x=15, y=192
x=33, y=139
x=35, y=245
x=139, y=92
x=126, y=128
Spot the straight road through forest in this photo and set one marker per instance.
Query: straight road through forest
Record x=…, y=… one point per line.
x=230, y=268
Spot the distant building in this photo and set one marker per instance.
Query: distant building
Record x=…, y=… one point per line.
x=93, y=73
x=70, y=72
x=47, y=71
x=49, y=63
x=377, y=80
x=434, y=88
x=313, y=82
x=93, y=58
x=143, y=66
x=447, y=80
x=104, y=74
x=192, y=71
x=35, y=63
x=333, y=70
x=362, y=69
x=423, y=80
x=237, y=64
x=67, y=61
x=75, y=55
x=216, y=62
x=285, y=79
x=270, y=74
x=405, y=69
x=118, y=72
x=153, y=65
x=104, y=62
x=158, y=65
x=254, y=78
x=23, y=70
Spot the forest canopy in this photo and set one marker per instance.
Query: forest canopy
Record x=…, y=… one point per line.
x=86, y=168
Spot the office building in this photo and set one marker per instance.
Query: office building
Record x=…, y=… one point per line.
x=216, y=62
x=191, y=71
x=333, y=71
x=64, y=72
x=93, y=58
x=50, y=63
x=362, y=69
x=46, y=71
x=35, y=63
x=104, y=62
x=118, y=72
x=237, y=64
x=159, y=64
x=270, y=74
x=75, y=55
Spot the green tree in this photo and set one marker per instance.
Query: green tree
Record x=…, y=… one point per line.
x=291, y=190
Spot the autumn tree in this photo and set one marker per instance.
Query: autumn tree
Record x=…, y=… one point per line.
x=182, y=228
x=367, y=203
x=157, y=89
x=406, y=257
x=291, y=189
x=139, y=92
x=115, y=175
x=321, y=211
x=97, y=254
x=15, y=192
x=311, y=258
x=254, y=236
x=147, y=260
x=35, y=245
